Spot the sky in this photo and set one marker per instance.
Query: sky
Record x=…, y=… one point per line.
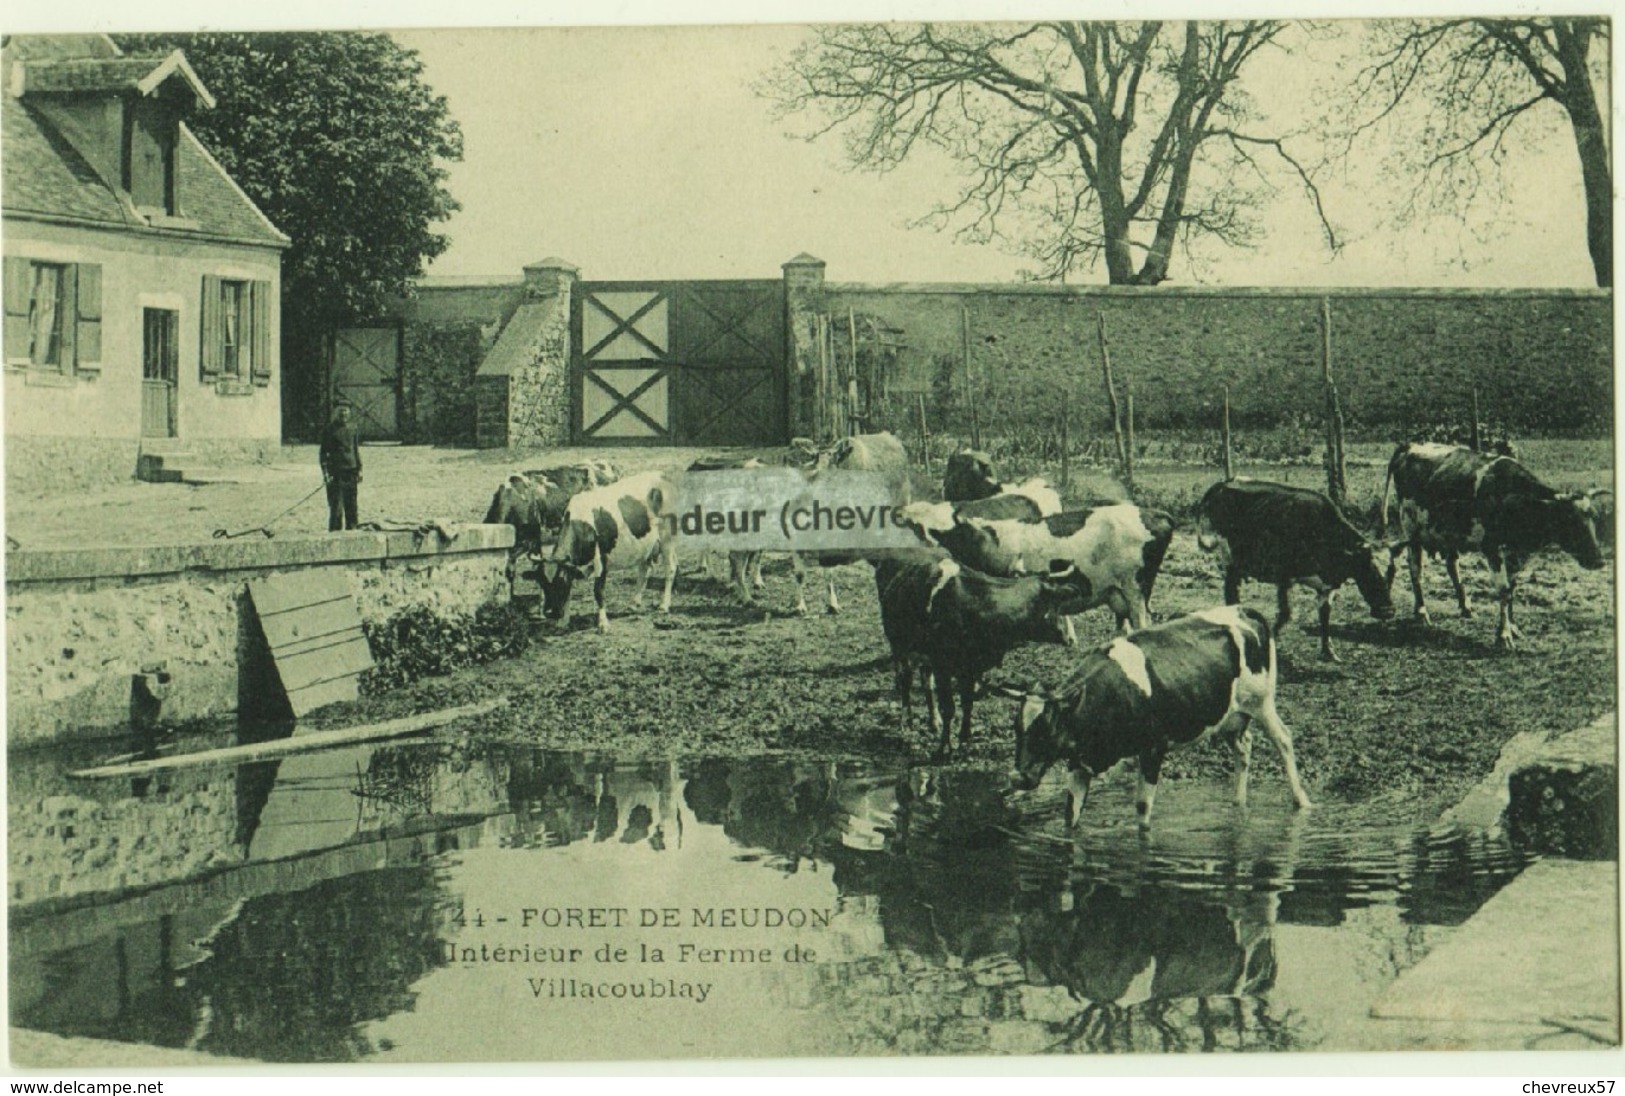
x=643, y=152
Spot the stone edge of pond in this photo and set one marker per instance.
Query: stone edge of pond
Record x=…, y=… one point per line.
x=1588, y=750
x=44, y=1051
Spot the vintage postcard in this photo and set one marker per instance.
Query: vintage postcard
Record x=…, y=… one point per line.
x=862, y=540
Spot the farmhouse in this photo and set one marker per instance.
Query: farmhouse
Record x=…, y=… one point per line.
x=141, y=284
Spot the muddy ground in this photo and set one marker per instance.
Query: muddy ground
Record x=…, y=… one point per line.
x=1405, y=723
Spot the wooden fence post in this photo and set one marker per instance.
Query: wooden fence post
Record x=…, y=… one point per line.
x=1224, y=436
x=925, y=438
x=1336, y=469
x=970, y=386
x=1477, y=439
x=854, y=416
x=820, y=411
x=1111, y=393
x=1066, y=441
x=1128, y=464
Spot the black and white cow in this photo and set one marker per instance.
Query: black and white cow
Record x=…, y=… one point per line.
x=1118, y=548
x=1147, y=694
x=619, y=524
x=969, y=478
x=1270, y=532
x=534, y=502
x=1453, y=500
x=953, y=624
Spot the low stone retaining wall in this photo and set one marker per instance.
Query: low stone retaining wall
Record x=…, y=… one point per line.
x=86, y=630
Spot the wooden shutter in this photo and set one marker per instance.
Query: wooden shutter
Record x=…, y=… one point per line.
x=19, y=286
x=67, y=319
x=89, y=311
x=211, y=333
x=260, y=302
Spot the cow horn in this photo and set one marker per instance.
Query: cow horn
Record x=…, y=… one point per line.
x=1008, y=691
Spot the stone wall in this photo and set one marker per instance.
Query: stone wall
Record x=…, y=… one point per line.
x=438, y=363
x=82, y=625
x=1403, y=358
x=533, y=353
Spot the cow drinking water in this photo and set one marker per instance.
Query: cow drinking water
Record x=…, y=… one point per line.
x=1152, y=692
x=620, y=523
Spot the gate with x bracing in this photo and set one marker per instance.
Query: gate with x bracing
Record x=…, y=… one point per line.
x=679, y=363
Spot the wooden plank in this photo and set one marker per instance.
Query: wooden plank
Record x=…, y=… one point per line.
x=319, y=694
x=314, y=632
x=259, y=751
x=289, y=626
x=344, y=658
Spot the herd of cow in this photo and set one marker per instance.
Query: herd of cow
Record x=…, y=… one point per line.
x=1001, y=565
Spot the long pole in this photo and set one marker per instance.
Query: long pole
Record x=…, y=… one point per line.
x=1128, y=464
x=1336, y=476
x=1224, y=435
x=925, y=438
x=1066, y=440
x=1111, y=393
x=1477, y=438
x=970, y=385
x=853, y=417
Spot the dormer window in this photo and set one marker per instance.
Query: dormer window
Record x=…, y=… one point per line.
x=150, y=137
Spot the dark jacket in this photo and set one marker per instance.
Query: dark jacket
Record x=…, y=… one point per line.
x=341, y=450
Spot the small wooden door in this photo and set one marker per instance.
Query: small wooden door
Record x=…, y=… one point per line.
x=366, y=372
x=160, y=371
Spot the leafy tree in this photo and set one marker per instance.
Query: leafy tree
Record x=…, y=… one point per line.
x=1476, y=82
x=338, y=140
x=1082, y=143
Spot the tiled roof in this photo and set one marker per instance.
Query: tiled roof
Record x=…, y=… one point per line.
x=118, y=74
x=60, y=47
x=44, y=175
x=213, y=200
x=115, y=74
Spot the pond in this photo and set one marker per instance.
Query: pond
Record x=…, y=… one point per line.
x=437, y=901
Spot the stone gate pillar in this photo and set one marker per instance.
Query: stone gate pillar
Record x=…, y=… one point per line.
x=522, y=389
x=803, y=301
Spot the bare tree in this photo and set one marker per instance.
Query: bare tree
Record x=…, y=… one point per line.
x=1478, y=79
x=1081, y=143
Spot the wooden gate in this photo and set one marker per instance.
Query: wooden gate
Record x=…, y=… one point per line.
x=679, y=363
x=366, y=372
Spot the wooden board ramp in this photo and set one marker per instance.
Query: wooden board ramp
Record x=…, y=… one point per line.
x=315, y=740
x=314, y=632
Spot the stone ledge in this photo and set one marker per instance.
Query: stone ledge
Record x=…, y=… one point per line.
x=1540, y=956
x=289, y=551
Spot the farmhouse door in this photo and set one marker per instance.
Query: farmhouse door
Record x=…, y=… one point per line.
x=160, y=371
x=366, y=372
x=679, y=363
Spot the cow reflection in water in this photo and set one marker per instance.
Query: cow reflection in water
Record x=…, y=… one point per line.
x=1159, y=968
x=559, y=799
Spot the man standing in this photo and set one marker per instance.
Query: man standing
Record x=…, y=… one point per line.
x=341, y=469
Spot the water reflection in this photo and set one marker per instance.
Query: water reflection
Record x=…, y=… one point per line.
x=301, y=910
